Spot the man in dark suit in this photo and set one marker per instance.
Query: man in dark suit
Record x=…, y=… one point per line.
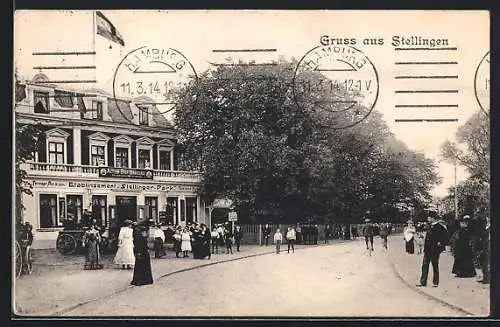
x=436, y=239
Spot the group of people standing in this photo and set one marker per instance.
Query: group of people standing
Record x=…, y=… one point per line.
x=222, y=235
x=305, y=234
x=469, y=239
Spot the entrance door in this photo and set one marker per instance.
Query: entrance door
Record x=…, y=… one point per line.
x=126, y=208
x=99, y=209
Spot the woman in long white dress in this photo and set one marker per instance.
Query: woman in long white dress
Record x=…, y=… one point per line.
x=409, y=236
x=186, y=242
x=125, y=254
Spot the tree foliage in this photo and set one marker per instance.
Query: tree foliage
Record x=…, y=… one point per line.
x=472, y=149
x=26, y=144
x=283, y=162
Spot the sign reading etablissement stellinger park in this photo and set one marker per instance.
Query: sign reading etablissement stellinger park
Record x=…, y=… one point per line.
x=126, y=173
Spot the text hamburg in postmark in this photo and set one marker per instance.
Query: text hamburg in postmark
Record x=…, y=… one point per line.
x=154, y=76
x=338, y=82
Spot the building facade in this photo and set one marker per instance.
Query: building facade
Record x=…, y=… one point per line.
x=114, y=158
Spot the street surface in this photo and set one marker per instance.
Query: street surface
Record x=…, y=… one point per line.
x=335, y=280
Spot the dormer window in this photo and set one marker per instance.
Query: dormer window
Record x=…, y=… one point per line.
x=97, y=111
x=41, y=102
x=143, y=115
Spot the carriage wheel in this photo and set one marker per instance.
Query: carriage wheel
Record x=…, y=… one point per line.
x=29, y=263
x=66, y=244
x=19, y=260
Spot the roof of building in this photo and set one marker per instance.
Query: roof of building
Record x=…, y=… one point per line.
x=119, y=109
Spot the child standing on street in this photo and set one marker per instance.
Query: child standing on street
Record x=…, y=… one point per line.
x=278, y=238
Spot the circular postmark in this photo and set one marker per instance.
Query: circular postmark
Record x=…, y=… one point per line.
x=340, y=83
x=155, y=79
x=482, y=83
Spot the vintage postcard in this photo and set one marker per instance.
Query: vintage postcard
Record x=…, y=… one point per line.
x=251, y=163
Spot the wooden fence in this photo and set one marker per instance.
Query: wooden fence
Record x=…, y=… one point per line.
x=252, y=233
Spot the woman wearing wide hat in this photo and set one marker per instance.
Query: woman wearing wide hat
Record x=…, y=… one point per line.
x=125, y=254
x=463, y=265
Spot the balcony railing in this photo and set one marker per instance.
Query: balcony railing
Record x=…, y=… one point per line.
x=43, y=168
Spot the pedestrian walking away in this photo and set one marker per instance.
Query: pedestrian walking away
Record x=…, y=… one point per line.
x=384, y=233
x=278, y=238
x=142, y=267
x=368, y=232
x=291, y=238
x=435, y=241
x=266, y=231
x=125, y=255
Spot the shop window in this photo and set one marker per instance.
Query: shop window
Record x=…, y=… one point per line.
x=56, y=152
x=48, y=211
x=41, y=102
x=99, y=204
x=191, y=209
x=183, y=209
x=164, y=157
x=121, y=158
x=74, y=205
x=97, y=155
x=151, y=207
x=171, y=212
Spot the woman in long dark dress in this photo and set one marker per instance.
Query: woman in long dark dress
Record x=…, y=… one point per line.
x=142, y=267
x=463, y=266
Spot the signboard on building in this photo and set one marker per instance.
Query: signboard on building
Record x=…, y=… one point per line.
x=233, y=216
x=222, y=203
x=115, y=186
x=125, y=173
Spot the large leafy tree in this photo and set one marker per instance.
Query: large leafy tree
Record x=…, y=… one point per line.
x=284, y=162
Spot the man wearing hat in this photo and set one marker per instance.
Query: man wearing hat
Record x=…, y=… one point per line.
x=435, y=242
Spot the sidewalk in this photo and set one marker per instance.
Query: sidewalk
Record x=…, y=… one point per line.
x=463, y=293
x=59, y=282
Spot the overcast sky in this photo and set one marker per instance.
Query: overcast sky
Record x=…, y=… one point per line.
x=292, y=33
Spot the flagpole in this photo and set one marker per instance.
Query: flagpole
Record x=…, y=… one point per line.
x=94, y=31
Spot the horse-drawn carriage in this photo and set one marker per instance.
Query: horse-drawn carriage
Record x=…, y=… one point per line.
x=70, y=240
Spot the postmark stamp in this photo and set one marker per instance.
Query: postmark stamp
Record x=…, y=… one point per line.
x=338, y=82
x=154, y=77
x=482, y=83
